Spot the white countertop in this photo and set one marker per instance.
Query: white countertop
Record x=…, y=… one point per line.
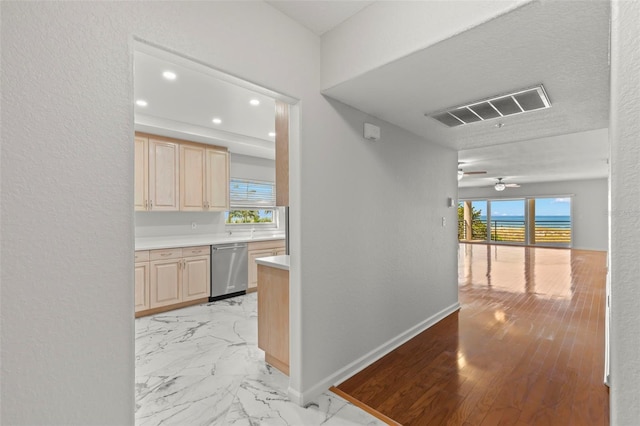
x=280, y=262
x=152, y=243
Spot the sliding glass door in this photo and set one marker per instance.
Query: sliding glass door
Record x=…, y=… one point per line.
x=544, y=221
x=507, y=223
x=552, y=221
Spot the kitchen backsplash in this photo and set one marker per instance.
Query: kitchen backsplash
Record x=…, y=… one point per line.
x=157, y=224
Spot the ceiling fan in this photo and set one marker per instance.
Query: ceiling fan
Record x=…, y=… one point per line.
x=500, y=186
x=462, y=173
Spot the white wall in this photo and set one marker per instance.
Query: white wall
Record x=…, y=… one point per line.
x=625, y=212
x=375, y=259
x=256, y=168
x=67, y=221
x=385, y=31
x=67, y=175
x=156, y=224
x=589, y=206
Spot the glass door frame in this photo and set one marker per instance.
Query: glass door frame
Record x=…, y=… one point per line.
x=490, y=218
x=529, y=223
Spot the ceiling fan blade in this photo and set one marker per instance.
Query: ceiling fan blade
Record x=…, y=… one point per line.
x=476, y=173
x=512, y=185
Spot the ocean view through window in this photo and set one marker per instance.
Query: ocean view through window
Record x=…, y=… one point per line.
x=544, y=221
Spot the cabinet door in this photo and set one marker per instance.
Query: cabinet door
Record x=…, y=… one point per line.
x=142, y=286
x=163, y=175
x=192, y=182
x=253, y=266
x=196, y=281
x=166, y=277
x=279, y=316
x=217, y=180
x=273, y=316
x=141, y=173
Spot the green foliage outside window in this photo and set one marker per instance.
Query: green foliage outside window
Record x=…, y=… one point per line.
x=250, y=216
x=478, y=227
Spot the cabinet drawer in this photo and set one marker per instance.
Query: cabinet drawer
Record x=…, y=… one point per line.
x=196, y=251
x=265, y=245
x=165, y=254
x=142, y=256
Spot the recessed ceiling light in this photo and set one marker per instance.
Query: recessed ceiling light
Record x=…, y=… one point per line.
x=272, y=134
x=254, y=102
x=216, y=120
x=169, y=75
x=141, y=102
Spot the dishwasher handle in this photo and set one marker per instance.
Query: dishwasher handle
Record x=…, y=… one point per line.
x=229, y=247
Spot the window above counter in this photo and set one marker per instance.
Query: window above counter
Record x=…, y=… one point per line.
x=251, y=202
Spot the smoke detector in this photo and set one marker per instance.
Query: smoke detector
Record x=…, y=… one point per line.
x=519, y=102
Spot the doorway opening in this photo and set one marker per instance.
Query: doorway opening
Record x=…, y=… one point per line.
x=188, y=345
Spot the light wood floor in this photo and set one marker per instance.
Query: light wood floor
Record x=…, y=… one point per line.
x=526, y=348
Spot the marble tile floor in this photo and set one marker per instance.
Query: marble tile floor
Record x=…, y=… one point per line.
x=201, y=366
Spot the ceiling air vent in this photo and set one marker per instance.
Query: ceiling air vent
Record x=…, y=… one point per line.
x=519, y=102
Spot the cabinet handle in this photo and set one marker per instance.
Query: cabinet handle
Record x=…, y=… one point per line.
x=146, y=204
x=150, y=204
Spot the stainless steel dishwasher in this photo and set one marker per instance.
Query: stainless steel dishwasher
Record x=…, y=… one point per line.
x=229, y=270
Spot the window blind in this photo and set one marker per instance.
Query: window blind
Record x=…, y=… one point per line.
x=250, y=193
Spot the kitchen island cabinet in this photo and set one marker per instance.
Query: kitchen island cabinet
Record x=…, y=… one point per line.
x=273, y=310
x=261, y=249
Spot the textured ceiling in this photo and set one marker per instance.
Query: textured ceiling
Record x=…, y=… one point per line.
x=563, y=45
x=560, y=44
x=557, y=158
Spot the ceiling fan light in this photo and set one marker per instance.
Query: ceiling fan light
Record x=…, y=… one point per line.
x=500, y=186
x=460, y=174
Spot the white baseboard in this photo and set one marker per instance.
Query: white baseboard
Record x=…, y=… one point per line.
x=295, y=396
x=368, y=359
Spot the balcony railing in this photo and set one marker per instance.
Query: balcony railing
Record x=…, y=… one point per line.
x=546, y=231
x=553, y=231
